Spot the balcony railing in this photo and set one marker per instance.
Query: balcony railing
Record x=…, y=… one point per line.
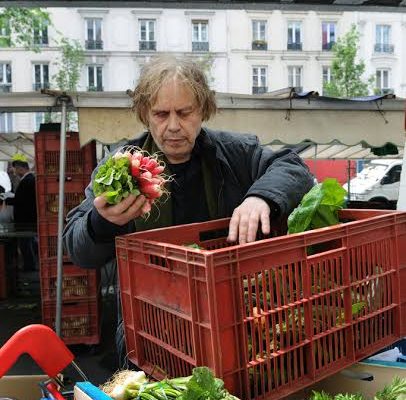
x=5, y=87
x=40, y=85
x=383, y=48
x=149, y=45
x=97, y=88
x=259, y=89
x=295, y=46
x=328, y=46
x=200, y=46
x=298, y=89
x=94, y=44
x=259, y=45
x=385, y=91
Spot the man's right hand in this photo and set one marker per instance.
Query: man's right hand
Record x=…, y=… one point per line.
x=121, y=213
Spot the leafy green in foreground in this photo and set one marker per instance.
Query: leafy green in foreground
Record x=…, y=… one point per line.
x=204, y=386
x=114, y=180
x=318, y=208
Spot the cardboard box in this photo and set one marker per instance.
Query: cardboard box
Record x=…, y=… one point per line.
x=21, y=387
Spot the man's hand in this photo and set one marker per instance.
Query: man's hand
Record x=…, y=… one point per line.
x=121, y=213
x=246, y=218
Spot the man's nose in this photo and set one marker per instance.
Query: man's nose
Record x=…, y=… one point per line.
x=173, y=123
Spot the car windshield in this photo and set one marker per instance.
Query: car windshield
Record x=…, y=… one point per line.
x=372, y=171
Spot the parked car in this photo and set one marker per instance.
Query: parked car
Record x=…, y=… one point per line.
x=377, y=184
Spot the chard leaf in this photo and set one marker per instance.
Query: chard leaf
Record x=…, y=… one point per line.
x=318, y=208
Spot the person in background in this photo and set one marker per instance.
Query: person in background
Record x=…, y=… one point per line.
x=6, y=211
x=25, y=212
x=216, y=174
x=14, y=178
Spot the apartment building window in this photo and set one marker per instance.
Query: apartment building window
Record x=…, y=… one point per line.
x=6, y=122
x=39, y=118
x=295, y=78
x=383, y=39
x=94, y=34
x=259, y=35
x=295, y=35
x=5, y=77
x=328, y=33
x=259, y=80
x=95, y=78
x=147, y=34
x=200, y=35
x=41, y=35
x=5, y=40
x=383, y=81
x=326, y=77
x=41, y=77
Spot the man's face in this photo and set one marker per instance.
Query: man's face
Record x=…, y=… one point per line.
x=175, y=121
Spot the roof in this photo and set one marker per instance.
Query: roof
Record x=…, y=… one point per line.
x=367, y=5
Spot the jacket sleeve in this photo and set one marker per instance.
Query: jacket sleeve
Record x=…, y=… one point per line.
x=281, y=178
x=88, y=238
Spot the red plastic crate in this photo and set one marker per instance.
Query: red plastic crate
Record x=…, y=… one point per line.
x=78, y=160
x=77, y=283
x=48, y=193
x=269, y=317
x=48, y=241
x=80, y=323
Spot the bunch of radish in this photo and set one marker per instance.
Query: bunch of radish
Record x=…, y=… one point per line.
x=131, y=171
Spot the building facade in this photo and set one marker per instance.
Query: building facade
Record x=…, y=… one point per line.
x=243, y=51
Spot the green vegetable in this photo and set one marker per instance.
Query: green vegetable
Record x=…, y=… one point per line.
x=193, y=246
x=396, y=390
x=203, y=386
x=318, y=208
x=113, y=180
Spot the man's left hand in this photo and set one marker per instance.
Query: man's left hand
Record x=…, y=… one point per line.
x=246, y=218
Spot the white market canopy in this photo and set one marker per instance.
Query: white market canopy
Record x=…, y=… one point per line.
x=339, y=128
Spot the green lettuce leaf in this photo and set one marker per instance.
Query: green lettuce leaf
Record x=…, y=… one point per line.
x=318, y=208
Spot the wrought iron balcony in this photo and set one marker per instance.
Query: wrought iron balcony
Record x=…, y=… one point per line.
x=149, y=45
x=94, y=44
x=5, y=87
x=93, y=88
x=328, y=46
x=384, y=48
x=259, y=45
x=40, y=85
x=295, y=46
x=200, y=46
x=384, y=91
x=259, y=89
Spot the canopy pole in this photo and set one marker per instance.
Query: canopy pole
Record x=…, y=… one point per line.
x=401, y=204
x=62, y=156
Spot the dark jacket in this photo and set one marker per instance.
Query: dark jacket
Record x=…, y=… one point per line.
x=242, y=167
x=25, y=201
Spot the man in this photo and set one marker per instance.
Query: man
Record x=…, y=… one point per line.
x=25, y=212
x=216, y=174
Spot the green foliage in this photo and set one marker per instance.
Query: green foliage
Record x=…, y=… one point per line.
x=346, y=72
x=114, y=181
x=206, y=63
x=393, y=391
x=20, y=24
x=203, y=385
x=318, y=208
x=69, y=63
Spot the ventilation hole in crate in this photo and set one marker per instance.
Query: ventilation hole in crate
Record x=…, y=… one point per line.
x=329, y=349
x=168, y=328
x=160, y=261
x=72, y=286
x=51, y=162
x=373, y=330
x=168, y=363
x=324, y=246
x=74, y=162
x=277, y=371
